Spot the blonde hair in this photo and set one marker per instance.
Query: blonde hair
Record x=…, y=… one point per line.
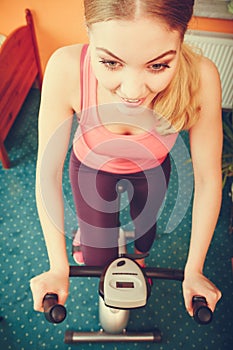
x=177, y=104
x=176, y=14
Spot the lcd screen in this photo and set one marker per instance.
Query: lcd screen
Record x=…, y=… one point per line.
x=124, y=284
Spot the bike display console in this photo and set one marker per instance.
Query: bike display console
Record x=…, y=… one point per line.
x=123, y=285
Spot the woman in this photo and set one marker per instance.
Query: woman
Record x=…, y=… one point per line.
x=138, y=85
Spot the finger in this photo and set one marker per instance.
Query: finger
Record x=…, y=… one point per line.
x=188, y=301
x=189, y=308
x=62, y=297
x=188, y=304
x=38, y=305
x=213, y=299
x=37, y=299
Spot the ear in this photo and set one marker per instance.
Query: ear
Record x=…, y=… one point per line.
x=89, y=33
x=88, y=29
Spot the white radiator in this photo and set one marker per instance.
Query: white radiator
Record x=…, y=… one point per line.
x=219, y=48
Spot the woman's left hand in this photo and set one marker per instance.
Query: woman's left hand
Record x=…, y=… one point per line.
x=197, y=284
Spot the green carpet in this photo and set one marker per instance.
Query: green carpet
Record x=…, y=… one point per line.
x=23, y=255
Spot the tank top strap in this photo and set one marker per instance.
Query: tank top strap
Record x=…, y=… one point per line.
x=88, y=82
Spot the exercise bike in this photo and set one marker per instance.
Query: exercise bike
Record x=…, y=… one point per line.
x=123, y=286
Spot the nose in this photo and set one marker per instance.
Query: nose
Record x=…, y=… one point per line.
x=133, y=86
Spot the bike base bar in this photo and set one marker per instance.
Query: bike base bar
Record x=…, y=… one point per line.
x=151, y=272
x=72, y=337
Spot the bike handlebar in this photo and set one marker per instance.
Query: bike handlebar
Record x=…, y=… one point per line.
x=56, y=313
x=201, y=312
x=150, y=272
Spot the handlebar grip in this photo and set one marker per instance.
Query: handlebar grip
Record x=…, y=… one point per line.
x=54, y=312
x=201, y=312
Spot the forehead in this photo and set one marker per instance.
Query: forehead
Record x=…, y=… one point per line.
x=140, y=38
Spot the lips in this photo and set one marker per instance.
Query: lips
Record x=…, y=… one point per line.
x=133, y=102
x=131, y=106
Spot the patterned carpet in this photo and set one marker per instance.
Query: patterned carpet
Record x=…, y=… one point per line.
x=23, y=255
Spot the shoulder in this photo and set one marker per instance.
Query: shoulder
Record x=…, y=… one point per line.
x=210, y=84
x=62, y=74
x=67, y=53
x=209, y=124
x=64, y=60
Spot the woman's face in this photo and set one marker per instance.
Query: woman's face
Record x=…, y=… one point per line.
x=133, y=60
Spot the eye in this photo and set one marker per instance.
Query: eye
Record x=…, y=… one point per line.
x=109, y=64
x=158, y=67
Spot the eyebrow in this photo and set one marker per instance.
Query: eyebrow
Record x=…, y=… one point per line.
x=169, y=52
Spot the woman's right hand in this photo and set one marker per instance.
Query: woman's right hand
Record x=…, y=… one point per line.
x=49, y=282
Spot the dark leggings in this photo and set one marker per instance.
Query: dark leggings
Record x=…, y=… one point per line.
x=97, y=207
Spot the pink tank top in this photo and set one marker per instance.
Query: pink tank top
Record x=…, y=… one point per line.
x=97, y=147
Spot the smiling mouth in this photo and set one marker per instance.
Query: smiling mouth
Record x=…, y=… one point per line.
x=132, y=102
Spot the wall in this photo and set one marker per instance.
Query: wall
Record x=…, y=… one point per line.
x=60, y=22
x=57, y=22
x=212, y=24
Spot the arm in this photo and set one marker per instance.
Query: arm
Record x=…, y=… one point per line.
x=55, y=121
x=206, y=152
